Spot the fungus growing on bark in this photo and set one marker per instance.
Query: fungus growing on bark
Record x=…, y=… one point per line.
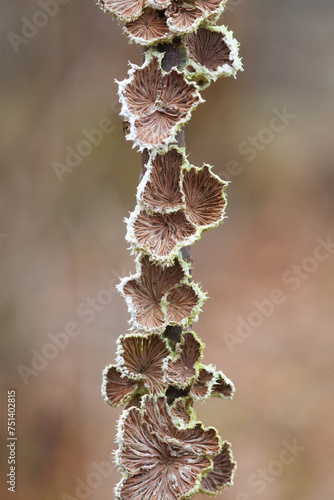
x=183, y=304
x=185, y=16
x=222, y=473
x=117, y=389
x=155, y=465
x=164, y=452
x=182, y=411
x=202, y=387
x=124, y=10
x=144, y=292
x=195, y=437
x=162, y=235
x=222, y=387
x=208, y=48
x=160, y=230
x=128, y=10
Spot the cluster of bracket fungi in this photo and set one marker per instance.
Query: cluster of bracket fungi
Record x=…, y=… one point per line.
x=164, y=452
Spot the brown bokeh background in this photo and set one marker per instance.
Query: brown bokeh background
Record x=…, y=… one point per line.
x=63, y=243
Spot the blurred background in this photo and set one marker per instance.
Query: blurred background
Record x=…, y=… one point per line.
x=62, y=246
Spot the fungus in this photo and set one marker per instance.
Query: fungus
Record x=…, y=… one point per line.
x=124, y=10
x=183, y=369
x=117, y=389
x=150, y=27
x=156, y=103
x=222, y=473
x=164, y=452
x=162, y=191
x=204, y=195
x=154, y=467
x=162, y=235
x=212, y=53
x=156, y=297
x=142, y=357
